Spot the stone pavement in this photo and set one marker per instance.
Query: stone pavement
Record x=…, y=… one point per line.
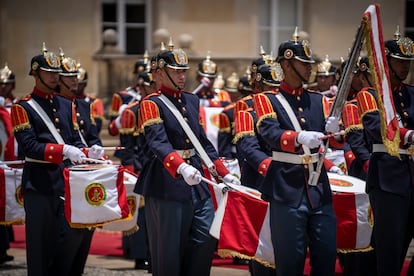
x=100, y=265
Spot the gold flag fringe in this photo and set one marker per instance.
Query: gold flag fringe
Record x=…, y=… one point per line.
x=350, y=250
x=224, y=253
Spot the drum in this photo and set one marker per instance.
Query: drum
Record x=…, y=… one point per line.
x=95, y=195
x=353, y=213
x=11, y=199
x=128, y=226
x=346, y=183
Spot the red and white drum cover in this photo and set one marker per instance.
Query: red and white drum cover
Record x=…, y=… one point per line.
x=95, y=195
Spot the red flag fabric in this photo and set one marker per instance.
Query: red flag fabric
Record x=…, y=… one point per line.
x=377, y=59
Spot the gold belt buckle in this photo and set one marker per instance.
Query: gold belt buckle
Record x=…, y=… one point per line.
x=306, y=159
x=186, y=154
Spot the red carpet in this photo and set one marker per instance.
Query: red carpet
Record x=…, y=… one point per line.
x=110, y=244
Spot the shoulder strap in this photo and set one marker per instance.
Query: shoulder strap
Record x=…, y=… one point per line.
x=39, y=110
x=294, y=121
x=199, y=148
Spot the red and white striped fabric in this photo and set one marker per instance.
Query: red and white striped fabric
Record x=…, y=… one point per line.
x=128, y=226
x=11, y=200
x=376, y=54
x=95, y=195
x=241, y=225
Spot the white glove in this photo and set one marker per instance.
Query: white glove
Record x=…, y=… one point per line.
x=190, y=174
x=96, y=152
x=332, y=125
x=3, y=165
x=312, y=139
x=337, y=170
x=229, y=178
x=73, y=153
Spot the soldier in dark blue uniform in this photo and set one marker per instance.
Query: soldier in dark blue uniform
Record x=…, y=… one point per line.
x=301, y=211
x=358, y=262
x=178, y=206
x=72, y=255
x=97, y=107
x=46, y=157
x=390, y=181
x=133, y=158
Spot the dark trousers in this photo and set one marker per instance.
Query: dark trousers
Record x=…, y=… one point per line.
x=42, y=228
x=393, y=224
x=178, y=235
x=135, y=246
x=73, y=249
x=295, y=229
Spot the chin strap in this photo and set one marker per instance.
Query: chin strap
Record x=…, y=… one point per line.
x=169, y=77
x=44, y=83
x=393, y=72
x=296, y=72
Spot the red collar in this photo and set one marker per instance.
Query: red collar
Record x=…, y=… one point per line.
x=42, y=94
x=171, y=92
x=295, y=92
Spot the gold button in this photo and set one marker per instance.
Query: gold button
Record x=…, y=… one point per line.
x=54, y=109
x=81, y=122
x=56, y=120
x=285, y=142
x=179, y=100
x=77, y=114
x=58, y=130
x=264, y=166
x=167, y=164
x=303, y=120
x=52, y=148
x=186, y=119
x=171, y=158
x=288, y=132
x=187, y=141
x=300, y=109
x=298, y=98
x=402, y=104
x=50, y=157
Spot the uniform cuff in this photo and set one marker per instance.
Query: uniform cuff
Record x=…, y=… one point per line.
x=288, y=141
x=53, y=153
x=220, y=168
x=171, y=163
x=264, y=166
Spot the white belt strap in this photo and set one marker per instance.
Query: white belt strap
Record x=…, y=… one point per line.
x=199, y=148
x=294, y=158
x=39, y=110
x=381, y=148
x=294, y=121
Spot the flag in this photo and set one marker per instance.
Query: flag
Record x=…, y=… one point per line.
x=11, y=199
x=241, y=225
x=209, y=118
x=128, y=226
x=95, y=195
x=377, y=59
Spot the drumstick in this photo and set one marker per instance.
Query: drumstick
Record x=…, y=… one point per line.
x=96, y=160
x=14, y=162
x=342, y=132
x=111, y=148
x=228, y=187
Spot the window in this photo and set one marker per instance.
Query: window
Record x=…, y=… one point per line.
x=131, y=19
x=409, y=19
x=277, y=22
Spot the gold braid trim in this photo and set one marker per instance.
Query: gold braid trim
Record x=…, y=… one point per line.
x=100, y=224
x=130, y=231
x=240, y=135
x=354, y=127
x=392, y=146
x=127, y=130
x=264, y=263
x=19, y=221
x=350, y=250
x=151, y=122
x=269, y=115
x=21, y=127
x=224, y=253
x=225, y=130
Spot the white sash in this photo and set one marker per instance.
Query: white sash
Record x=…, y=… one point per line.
x=203, y=155
x=295, y=123
x=39, y=110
